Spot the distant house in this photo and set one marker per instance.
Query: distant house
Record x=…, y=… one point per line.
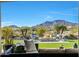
x=48, y=34
x=66, y=33
x=69, y=27
x=76, y=35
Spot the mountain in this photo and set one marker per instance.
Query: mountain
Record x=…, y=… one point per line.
x=13, y=26
x=49, y=24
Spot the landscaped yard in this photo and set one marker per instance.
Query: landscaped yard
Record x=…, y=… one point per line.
x=14, y=41
x=67, y=44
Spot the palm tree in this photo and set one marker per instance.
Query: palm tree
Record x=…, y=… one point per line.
x=57, y=29
x=25, y=31
x=60, y=29
x=7, y=33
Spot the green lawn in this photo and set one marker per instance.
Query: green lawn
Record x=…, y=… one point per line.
x=55, y=45
x=14, y=41
x=67, y=44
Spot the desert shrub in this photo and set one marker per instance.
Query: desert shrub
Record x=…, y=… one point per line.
x=75, y=45
x=19, y=49
x=36, y=38
x=72, y=36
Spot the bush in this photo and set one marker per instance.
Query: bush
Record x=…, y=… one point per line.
x=75, y=45
x=61, y=47
x=36, y=38
x=70, y=37
x=20, y=49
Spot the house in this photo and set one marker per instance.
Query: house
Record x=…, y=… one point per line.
x=48, y=34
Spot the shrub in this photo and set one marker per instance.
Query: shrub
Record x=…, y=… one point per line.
x=75, y=45
x=20, y=49
x=61, y=47
x=36, y=38
x=72, y=36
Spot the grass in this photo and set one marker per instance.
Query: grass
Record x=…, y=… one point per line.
x=67, y=44
x=18, y=41
x=14, y=41
x=55, y=45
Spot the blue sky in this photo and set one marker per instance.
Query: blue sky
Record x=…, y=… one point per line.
x=33, y=13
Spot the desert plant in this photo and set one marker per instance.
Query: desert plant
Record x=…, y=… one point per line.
x=7, y=33
x=59, y=29
x=61, y=47
x=71, y=36
x=41, y=31
x=19, y=49
x=75, y=45
x=62, y=28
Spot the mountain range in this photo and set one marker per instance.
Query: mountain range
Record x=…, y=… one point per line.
x=50, y=24
x=56, y=22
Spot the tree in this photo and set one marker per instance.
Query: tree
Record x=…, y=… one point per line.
x=60, y=29
x=57, y=29
x=41, y=31
x=17, y=32
x=24, y=31
x=7, y=33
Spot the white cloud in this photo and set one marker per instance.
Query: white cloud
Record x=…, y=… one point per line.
x=48, y=17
